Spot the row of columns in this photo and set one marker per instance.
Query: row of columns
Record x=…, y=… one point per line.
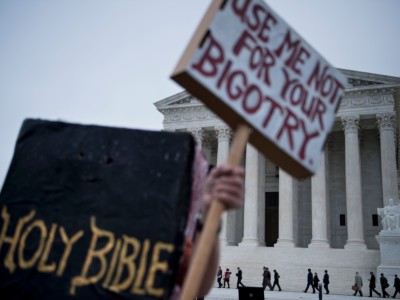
x=224, y=135
x=254, y=207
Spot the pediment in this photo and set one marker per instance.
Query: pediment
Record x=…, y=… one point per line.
x=187, y=100
x=356, y=82
x=178, y=100
x=356, y=79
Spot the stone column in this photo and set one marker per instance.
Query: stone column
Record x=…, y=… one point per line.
x=250, y=236
x=288, y=193
x=354, y=204
x=197, y=133
x=207, y=143
x=261, y=200
x=224, y=134
x=387, y=129
x=319, y=205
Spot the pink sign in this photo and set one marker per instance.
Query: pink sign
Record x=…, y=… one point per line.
x=249, y=66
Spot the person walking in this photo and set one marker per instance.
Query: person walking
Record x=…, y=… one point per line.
x=316, y=282
x=267, y=278
x=239, y=278
x=384, y=285
x=358, y=284
x=325, y=280
x=219, y=277
x=276, y=281
x=309, y=281
x=372, y=285
x=227, y=275
x=396, y=286
x=264, y=275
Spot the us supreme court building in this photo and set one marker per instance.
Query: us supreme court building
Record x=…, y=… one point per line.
x=326, y=222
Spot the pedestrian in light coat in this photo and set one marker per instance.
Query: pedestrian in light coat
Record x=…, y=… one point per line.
x=358, y=283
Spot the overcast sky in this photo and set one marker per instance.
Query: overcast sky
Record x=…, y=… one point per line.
x=107, y=61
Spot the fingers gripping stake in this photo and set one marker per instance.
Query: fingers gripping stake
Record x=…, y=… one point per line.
x=202, y=253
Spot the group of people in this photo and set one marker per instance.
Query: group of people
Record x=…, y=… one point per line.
x=314, y=282
x=358, y=283
x=225, y=277
x=267, y=279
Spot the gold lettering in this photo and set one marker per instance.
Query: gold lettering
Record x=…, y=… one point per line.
x=127, y=268
x=25, y=264
x=42, y=267
x=68, y=248
x=141, y=271
x=128, y=261
x=13, y=241
x=92, y=252
x=113, y=263
x=156, y=265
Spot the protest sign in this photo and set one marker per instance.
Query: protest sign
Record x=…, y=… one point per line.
x=250, y=67
x=92, y=212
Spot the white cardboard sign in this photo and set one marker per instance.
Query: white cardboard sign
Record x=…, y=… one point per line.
x=249, y=66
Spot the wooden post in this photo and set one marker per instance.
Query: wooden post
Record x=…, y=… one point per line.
x=207, y=237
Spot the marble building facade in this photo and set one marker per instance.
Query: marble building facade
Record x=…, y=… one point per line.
x=328, y=221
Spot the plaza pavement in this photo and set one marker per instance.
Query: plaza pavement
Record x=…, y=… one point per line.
x=232, y=294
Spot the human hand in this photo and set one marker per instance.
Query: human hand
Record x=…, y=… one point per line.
x=226, y=184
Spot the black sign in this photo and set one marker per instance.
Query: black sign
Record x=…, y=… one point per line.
x=91, y=212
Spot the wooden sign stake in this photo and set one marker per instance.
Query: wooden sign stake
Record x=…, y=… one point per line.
x=207, y=237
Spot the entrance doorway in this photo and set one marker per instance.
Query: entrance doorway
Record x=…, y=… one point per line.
x=271, y=218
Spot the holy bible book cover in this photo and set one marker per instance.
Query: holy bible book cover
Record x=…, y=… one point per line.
x=93, y=212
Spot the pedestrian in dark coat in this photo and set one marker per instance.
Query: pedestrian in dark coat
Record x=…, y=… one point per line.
x=316, y=281
x=372, y=285
x=384, y=285
x=309, y=281
x=326, y=281
x=264, y=275
x=239, y=275
x=396, y=286
x=276, y=280
x=266, y=278
x=219, y=277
